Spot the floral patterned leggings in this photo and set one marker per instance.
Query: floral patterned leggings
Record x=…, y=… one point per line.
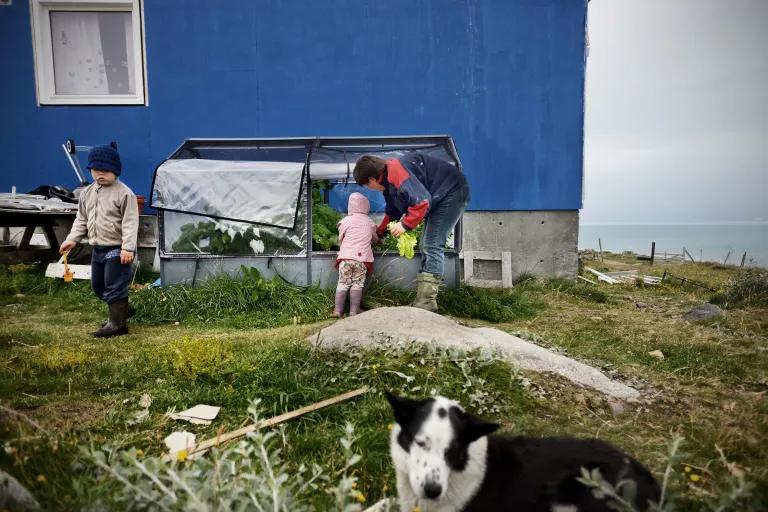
x=351, y=275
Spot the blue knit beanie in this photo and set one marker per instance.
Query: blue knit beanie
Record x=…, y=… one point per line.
x=105, y=158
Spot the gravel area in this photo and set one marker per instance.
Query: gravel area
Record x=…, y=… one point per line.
x=406, y=325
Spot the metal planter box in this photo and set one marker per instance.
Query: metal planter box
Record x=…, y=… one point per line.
x=227, y=203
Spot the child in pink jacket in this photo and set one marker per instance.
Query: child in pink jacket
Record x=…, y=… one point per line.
x=355, y=259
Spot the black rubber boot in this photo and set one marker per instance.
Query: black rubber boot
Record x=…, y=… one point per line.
x=131, y=312
x=116, y=325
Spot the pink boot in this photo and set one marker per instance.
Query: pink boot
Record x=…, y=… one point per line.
x=355, y=298
x=341, y=300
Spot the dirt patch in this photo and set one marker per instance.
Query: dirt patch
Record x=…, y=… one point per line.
x=64, y=416
x=397, y=325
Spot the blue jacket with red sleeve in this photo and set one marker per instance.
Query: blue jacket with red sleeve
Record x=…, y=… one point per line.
x=413, y=184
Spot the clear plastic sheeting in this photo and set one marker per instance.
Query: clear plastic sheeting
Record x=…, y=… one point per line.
x=328, y=163
x=185, y=234
x=254, y=192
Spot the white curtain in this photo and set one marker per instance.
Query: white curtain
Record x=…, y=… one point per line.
x=93, y=52
x=78, y=61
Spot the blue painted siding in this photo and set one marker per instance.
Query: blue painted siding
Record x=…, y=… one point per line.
x=503, y=77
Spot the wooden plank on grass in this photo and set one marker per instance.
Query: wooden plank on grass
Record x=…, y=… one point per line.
x=602, y=277
x=585, y=279
x=56, y=270
x=229, y=436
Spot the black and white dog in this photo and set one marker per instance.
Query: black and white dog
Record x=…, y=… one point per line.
x=446, y=461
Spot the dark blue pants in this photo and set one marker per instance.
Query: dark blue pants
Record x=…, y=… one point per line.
x=109, y=277
x=440, y=221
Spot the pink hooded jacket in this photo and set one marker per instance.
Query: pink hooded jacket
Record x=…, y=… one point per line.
x=356, y=231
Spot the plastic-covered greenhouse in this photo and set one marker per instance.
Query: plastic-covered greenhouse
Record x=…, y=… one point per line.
x=225, y=203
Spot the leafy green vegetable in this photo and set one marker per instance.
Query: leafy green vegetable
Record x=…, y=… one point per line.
x=325, y=232
x=210, y=238
x=406, y=243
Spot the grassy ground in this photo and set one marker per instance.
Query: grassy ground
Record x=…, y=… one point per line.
x=710, y=387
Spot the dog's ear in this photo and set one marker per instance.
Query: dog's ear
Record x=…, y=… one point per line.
x=473, y=428
x=404, y=408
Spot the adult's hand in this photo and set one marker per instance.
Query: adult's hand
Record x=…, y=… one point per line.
x=397, y=229
x=67, y=246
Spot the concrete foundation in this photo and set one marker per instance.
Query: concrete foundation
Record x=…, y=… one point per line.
x=540, y=243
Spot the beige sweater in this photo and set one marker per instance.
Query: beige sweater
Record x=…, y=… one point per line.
x=109, y=215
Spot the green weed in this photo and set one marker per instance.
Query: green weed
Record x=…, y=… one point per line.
x=56, y=359
x=485, y=304
x=749, y=287
x=192, y=358
x=584, y=291
x=254, y=301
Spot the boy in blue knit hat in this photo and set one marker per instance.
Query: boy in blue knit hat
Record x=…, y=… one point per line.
x=109, y=216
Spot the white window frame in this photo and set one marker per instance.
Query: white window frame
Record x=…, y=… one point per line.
x=43, y=52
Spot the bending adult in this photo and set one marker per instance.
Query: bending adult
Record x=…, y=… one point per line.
x=418, y=188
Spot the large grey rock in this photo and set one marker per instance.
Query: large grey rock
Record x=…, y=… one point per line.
x=402, y=325
x=703, y=312
x=14, y=496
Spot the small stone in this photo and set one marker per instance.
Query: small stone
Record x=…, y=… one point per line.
x=19, y=295
x=596, y=318
x=658, y=354
x=14, y=495
x=176, y=323
x=703, y=312
x=641, y=305
x=617, y=407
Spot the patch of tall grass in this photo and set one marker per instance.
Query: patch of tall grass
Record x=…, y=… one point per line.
x=248, y=298
x=493, y=305
x=583, y=291
x=749, y=287
x=29, y=279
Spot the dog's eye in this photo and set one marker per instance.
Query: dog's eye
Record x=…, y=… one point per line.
x=421, y=444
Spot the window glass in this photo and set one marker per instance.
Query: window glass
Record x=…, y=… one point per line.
x=93, y=52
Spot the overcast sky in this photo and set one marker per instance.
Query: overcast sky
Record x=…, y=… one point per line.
x=676, y=122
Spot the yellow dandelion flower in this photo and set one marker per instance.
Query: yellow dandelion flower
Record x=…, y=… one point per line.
x=360, y=497
x=181, y=455
x=139, y=452
x=41, y=478
x=390, y=426
x=694, y=477
x=687, y=469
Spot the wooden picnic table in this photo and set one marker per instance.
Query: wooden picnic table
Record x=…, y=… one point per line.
x=49, y=221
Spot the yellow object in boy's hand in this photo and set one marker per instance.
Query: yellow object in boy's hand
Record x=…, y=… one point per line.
x=406, y=243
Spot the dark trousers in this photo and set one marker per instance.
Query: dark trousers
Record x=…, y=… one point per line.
x=109, y=277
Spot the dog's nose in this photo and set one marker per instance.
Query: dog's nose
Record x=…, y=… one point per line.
x=432, y=490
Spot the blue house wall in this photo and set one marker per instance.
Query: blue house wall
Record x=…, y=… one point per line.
x=505, y=78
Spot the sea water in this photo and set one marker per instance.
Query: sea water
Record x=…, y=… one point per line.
x=709, y=242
